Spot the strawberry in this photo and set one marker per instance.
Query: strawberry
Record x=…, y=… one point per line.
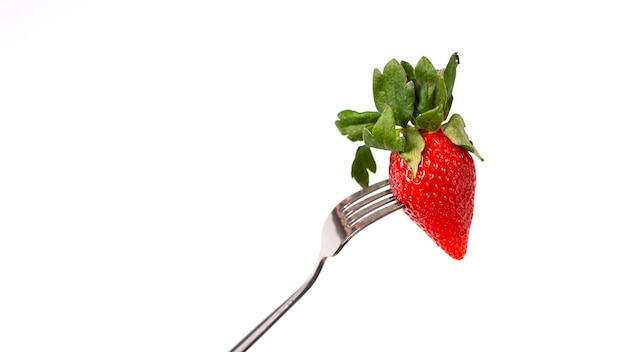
x=440, y=198
x=431, y=171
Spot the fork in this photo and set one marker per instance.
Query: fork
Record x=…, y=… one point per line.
x=350, y=216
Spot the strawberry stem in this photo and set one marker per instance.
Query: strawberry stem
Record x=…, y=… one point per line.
x=409, y=101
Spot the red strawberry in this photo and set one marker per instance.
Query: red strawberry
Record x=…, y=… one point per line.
x=440, y=198
x=431, y=171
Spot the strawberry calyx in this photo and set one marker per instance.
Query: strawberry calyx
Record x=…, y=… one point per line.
x=410, y=101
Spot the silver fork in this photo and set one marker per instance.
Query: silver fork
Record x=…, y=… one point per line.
x=350, y=216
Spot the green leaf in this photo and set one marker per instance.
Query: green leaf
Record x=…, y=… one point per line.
x=425, y=76
x=425, y=70
x=414, y=146
x=409, y=70
x=430, y=120
x=363, y=161
x=449, y=76
x=384, y=134
x=441, y=93
x=352, y=123
x=410, y=74
x=392, y=88
x=430, y=86
x=455, y=130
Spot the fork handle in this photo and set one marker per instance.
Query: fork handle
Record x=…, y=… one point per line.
x=267, y=323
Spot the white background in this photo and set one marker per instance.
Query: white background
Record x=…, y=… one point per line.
x=166, y=167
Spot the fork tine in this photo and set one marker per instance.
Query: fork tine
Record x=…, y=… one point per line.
x=369, y=206
x=355, y=197
x=372, y=217
x=363, y=208
x=365, y=199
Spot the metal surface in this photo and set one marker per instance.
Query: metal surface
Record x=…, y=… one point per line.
x=350, y=216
